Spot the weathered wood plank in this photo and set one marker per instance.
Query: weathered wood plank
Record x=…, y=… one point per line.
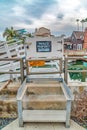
x=9, y=72
x=65, y=70
x=75, y=58
x=76, y=71
x=9, y=59
x=44, y=59
x=5, y=85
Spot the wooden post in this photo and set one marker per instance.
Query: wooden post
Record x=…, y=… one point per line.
x=27, y=67
x=68, y=111
x=20, y=113
x=65, y=70
x=22, y=70
x=60, y=65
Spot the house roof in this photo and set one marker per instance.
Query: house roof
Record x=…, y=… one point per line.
x=67, y=39
x=78, y=34
x=42, y=32
x=44, y=28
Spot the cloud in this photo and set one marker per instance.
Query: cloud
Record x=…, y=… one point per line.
x=39, y=7
x=57, y=15
x=60, y=16
x=18, y=10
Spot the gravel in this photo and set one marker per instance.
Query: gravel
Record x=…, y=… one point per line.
x=5, y=121
x=82, y=122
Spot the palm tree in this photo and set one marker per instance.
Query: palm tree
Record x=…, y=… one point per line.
x=9, y=33
x=86, y=20
x=82, y=21
x=77, y=20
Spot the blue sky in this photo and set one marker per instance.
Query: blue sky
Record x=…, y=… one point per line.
x=57, y=15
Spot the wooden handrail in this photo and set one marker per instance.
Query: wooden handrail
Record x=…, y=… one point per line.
x=10, y=59
x=67, y=92
x=74, y=58
x=9, y=72
x=5, y=85
x=21, y=91
x=44, y=59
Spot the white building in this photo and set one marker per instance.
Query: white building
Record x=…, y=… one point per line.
x=43, y=47
x=44, y=44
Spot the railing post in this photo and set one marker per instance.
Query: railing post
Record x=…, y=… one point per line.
x=20, y=113
x=65, y=69
x=60, y=65
x=22, y=69
x=27, y=67
x=68, y=111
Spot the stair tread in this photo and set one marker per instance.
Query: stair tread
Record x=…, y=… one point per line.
x=44, y=115
x=8, y=100
x=37, y=98
x=43, y=85
x=44, y=98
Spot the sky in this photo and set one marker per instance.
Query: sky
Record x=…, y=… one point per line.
x=57, y=15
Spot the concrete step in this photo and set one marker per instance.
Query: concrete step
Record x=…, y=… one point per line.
x=8, y=105
x=44, y=116
x=11, y=89
x=44, y=102
x=34, y=88
x=44, y=81
x=45, y=98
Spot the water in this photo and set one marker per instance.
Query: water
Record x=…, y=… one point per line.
x=80, y=76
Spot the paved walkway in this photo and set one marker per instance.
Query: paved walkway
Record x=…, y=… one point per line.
x=42, y=126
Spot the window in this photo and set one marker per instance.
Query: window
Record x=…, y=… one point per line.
x=74, y=46
x=79, y=47
x=43, y=46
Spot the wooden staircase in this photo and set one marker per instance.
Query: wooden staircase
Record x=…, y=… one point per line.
x=44, y=101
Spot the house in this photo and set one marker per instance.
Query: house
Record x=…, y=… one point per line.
x=68, y=44
x=77, y=39
x=44, y=32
